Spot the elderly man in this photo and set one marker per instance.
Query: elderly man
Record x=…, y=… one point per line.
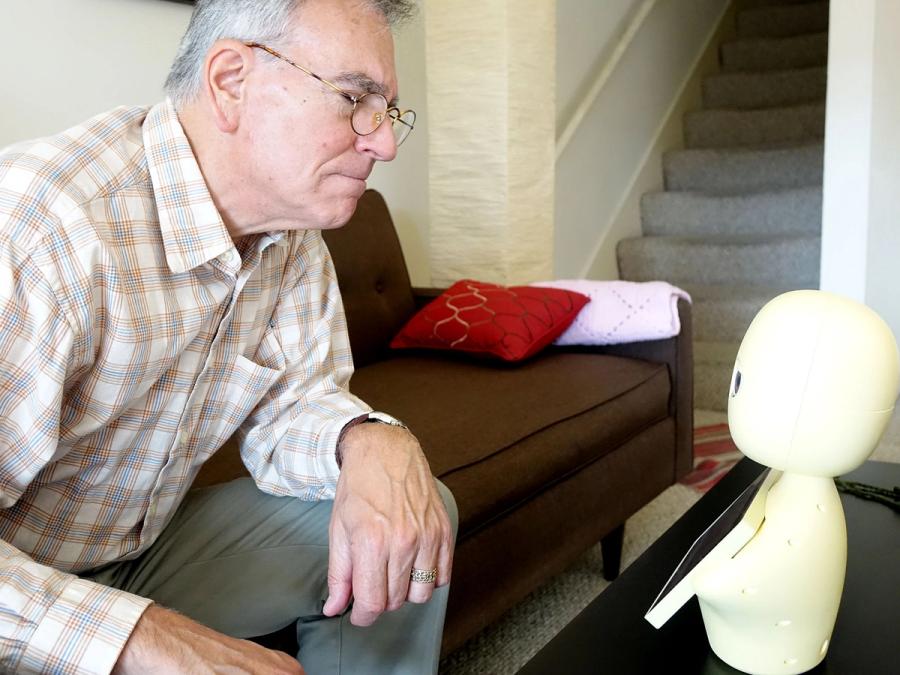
x=164, y=285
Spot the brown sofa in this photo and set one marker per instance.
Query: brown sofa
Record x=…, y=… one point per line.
x=545, y=458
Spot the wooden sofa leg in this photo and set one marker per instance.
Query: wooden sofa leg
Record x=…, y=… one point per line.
x=611, y=547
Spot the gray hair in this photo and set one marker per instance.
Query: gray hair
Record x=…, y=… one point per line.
x=266, y=21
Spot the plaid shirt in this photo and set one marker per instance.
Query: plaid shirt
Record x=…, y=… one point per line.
x=135, y=338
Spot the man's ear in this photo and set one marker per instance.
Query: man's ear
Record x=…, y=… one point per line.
x=227, y=65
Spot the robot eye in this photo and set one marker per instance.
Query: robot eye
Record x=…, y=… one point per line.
x=736, y=383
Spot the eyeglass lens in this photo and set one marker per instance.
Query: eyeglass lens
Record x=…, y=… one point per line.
x=371, y=109
x=403, y=124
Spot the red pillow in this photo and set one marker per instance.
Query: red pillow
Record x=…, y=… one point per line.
x=512, y=322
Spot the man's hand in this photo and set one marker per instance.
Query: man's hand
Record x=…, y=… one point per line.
x=388, y=517
x=164, y=641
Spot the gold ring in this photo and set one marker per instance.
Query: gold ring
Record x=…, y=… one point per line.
x=423, y=576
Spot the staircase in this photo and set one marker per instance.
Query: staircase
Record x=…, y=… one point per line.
x=739, y=221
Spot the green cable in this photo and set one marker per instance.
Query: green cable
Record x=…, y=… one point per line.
x=886, y=496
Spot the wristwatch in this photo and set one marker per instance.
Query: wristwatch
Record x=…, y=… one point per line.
x=384, y=418
x=377, y=417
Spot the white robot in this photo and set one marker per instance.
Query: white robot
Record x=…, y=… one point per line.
x=813, y=388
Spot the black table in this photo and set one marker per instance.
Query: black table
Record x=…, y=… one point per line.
x=611, y=635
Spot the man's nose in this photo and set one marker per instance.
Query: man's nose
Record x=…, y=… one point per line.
x=380, y=145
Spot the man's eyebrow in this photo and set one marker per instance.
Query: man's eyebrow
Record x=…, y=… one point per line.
x=364, y=83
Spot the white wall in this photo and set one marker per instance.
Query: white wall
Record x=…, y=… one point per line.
x=65, y=60
x=404, y=182
x=586, y=34
x=848, y=149
x=596, y=170
x=861, y=203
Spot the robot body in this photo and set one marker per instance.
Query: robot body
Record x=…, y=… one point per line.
x=761, y=616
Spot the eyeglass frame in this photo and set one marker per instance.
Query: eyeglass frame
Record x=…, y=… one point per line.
x=347, y=95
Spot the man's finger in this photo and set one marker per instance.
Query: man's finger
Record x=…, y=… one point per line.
x=340, y=574
x=369, y=584
x=398, y=567
x=423, y=576
x=445, y=553
x=425, y=567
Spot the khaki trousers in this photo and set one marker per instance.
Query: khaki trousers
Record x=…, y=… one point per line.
x=248, y=564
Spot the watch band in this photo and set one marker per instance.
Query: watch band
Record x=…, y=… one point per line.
x=377, y=417
x=384, y=418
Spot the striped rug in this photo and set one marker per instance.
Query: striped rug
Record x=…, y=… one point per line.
x=714, y=455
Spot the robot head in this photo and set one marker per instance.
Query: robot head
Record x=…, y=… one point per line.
x=814, y=384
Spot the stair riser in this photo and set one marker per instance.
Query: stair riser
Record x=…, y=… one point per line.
x=691, y=214
x=757, y=55
x=790, y=263
x=741, y=171
x=727, y=128
x=711, y=383
x=723, y=320
x=784, y=21
x=769, y=90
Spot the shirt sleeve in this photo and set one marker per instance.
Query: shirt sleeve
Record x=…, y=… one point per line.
x=53, y=622
x=288, y=442
x=50, y=621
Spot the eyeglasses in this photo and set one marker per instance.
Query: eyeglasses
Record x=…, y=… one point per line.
x=369, y=110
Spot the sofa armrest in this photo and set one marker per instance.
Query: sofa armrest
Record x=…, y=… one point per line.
x=422, y=295
x=677, y=354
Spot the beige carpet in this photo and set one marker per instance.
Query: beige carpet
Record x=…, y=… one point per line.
x=507, y=645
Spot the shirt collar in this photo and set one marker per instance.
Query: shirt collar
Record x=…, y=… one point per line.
x=192, y=229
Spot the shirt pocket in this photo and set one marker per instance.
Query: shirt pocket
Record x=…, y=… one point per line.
x=238, y=387
x=269, y=354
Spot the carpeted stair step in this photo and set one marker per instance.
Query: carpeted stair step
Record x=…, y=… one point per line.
x=736, y=170
x=768, y=89
x=801, y=51
x=743, y=200
x=769, y=127
x=782, y=20
x=713, y=366
x=694, y=214
x=790, y=261
x=722, y=313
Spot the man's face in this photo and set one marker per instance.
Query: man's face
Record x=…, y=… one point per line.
x=306, y=164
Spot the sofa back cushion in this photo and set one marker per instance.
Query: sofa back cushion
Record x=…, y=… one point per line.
x=372, y=275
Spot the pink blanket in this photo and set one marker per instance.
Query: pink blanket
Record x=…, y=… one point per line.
x=621, y=311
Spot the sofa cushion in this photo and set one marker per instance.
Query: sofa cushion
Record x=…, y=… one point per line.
x=371, y=272
x=510, y=322
x=535, y=423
